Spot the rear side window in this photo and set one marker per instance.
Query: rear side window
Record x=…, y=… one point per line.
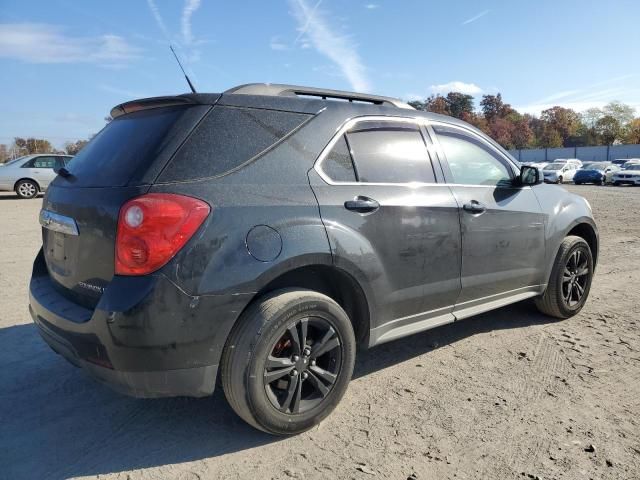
x=40, y=162
x=390, y=153
x=227, y=138
x=123, y=151
x=337, y=165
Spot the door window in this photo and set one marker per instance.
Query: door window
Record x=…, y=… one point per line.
x=40, y=162
x=338, y=165
x=390, y=152
x=471, y=161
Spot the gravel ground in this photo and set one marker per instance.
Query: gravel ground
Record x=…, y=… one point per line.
x=508, y=394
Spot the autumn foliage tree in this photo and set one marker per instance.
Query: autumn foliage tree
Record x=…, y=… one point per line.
x=556, y=127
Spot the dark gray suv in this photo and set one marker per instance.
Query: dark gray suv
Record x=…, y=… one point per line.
x=258, y=236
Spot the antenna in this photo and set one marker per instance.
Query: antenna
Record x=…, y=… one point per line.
x=193, y=90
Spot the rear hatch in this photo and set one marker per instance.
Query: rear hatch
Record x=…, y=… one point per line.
x=80, y=211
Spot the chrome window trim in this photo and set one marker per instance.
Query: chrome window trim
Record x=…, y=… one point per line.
x=419, y=122
x=348, y=124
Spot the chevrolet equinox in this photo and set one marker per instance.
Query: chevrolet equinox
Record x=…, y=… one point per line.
x=260, y=235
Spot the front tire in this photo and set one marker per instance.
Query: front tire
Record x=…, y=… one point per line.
x=288, y=361
x=559, y=180
x=27, y=189
x=570, y=280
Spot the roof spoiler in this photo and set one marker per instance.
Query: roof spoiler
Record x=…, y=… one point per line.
x=275, y=89
x=147, y=103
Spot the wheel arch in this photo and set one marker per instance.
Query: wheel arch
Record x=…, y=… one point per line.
x=331, y=281
x=587, y=232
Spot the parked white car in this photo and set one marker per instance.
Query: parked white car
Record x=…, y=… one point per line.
x=629, y=176
x=30, y=174
x=574, y=161
x=559, y=172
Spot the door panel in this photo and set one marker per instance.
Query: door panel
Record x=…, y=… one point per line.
x=502, y=226
x=408, y=250
x=502, y=247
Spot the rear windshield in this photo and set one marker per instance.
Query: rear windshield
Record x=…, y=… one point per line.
x=126, y=148
x=227, y=138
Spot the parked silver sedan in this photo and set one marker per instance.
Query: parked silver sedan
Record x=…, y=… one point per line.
x=30, y=174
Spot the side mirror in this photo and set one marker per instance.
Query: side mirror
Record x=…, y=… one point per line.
x=529, y=176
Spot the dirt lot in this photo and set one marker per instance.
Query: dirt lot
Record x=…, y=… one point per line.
x=509, y=394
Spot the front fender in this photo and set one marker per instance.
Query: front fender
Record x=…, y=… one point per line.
x=563, y=212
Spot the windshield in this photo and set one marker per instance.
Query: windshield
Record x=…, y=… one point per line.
x=594, y=166
x=554, y=166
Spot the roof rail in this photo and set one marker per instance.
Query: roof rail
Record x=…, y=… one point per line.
x=275, y=89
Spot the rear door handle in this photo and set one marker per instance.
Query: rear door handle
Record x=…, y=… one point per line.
x=474, y=207
x=362, y=205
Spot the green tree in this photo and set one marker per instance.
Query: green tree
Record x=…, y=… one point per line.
x=621, y=112
x=27, y=146
x=632, y=135
x=72, y=148
x=493, y=106
x=609, y=129
x=459, y=104
x=550, y=138
x=563, y=120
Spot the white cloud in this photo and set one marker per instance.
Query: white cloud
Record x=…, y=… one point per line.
x=475, y=17
x=340, y=49
x=371, y=6
x=276, y=44
x=42, y=43
x=158, y=18
x=190, y=6
x=596, y=95
x=457, y=86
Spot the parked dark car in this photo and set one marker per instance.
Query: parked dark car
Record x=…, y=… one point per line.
x=261, y=234
x=599, y=173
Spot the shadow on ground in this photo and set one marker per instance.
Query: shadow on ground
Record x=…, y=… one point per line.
x=57, y=423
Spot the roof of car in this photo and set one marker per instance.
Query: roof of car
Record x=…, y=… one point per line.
x=287, y=97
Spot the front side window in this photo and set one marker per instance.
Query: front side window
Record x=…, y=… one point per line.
x=390, y=152
x=470, y=160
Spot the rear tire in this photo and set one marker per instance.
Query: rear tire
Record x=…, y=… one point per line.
x=559, y=180
x=570, y=280
x=288, y=361
x=616, y=184
x=27, y=189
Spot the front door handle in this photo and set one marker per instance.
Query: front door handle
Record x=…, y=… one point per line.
x=474, y=207
x=362, y=205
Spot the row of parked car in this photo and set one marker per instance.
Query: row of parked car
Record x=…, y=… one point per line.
x=624, y=171
x=31, y=174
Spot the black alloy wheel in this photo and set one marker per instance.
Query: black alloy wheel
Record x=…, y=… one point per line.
x=288, y=360
x=303, y=365
x=575, y=278
x=570, y=280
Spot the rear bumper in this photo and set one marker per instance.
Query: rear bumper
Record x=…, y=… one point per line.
x=145, y=338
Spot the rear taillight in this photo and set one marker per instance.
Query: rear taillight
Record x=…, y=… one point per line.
x=152, y=228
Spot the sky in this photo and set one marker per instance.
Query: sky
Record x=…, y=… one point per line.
x=65, y=63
